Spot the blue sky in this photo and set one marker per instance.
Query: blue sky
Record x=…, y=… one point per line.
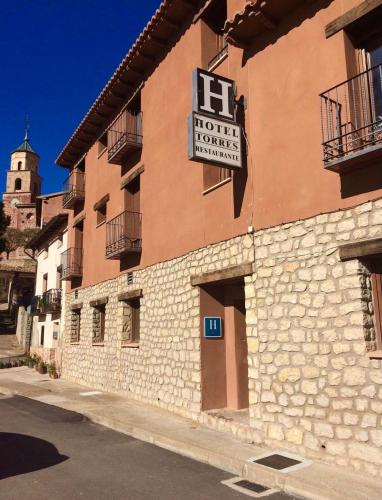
x=55, y=58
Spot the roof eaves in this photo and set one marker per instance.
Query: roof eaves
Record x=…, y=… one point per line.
x=47, y=230
x=148, y=34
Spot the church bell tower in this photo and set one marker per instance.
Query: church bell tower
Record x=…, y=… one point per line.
x=23, y=185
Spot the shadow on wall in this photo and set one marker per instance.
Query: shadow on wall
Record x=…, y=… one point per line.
x=129, y=261
x=362, y=180
x=294, y=19
x=240, y=176
x=20, y=454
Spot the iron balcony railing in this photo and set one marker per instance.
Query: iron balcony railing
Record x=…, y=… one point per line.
x=74, y=187
x=124, y=136
x=71, y=261
x=48, y=302
x=124, y=234
x=351, y=116
x=52, y=300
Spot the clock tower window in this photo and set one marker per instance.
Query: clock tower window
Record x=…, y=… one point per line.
x=18, y=184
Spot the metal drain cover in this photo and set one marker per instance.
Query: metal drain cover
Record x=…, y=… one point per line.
x=281, y=461
x=248, y=485
x=277, y=461
x=249, y=488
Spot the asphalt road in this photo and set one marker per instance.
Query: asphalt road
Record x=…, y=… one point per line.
x=50, y=453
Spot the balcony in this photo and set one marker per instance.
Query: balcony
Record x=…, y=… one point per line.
x=124, y=235
x=71, y=263
x=124, y=136
x=48, y=302
x=74, y=188
x=351, y=121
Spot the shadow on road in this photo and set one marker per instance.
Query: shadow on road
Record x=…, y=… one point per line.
x=20, y=454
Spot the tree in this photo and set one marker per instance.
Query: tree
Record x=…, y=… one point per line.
x=16, y=238
x=12, y=240
x=4, y=223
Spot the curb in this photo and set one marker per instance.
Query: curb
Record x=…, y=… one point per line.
x=316, y=487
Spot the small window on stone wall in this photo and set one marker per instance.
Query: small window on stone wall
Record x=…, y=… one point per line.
x=375, y=267
x=75, y=326
x=131, y=321
x=99, y=314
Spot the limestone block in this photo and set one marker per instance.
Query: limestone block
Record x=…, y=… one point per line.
x=354, y=376
x=310, y=372
x=350, y=418
x=297, y=311
x=369, y=420
x=275, y=431
x=309, y=387
x=290, y=374
x=295, y=435
x=376, y=437
x=323, y=429
x=365, y=452
x=335, y=447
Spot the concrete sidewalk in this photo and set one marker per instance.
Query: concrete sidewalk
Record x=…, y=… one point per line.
x=183, y=436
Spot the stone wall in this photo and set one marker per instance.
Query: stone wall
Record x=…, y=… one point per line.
x=165, y=369
x=310, y=324
x=312, y=386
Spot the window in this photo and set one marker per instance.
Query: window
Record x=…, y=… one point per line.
x=101, y=214
x=58, y=277
x=42, y=335
x=99, y=314
x=214, y=176
x=75, y=326
x=215, y=47
x=18, y=184
x=133, y=195
x=19, y=165
x=375, y=267
x=102, y=143
x=131, y=321
x=44, y=283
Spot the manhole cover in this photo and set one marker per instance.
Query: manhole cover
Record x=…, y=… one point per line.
x=249, y=488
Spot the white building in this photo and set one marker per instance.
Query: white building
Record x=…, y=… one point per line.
x=49, y=299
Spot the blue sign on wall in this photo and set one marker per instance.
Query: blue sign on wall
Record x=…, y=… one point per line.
x=213, y=327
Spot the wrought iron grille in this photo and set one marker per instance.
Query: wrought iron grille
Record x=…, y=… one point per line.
x=71, y=263
x=351, y=115
x=52, y=300
x=74, y=187
x=48, y=302
x=124, y=134
x=123, y=234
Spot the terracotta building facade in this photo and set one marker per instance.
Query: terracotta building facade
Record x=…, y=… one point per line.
x=225, y=227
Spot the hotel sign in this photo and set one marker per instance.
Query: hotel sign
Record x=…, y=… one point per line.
x=214, y=135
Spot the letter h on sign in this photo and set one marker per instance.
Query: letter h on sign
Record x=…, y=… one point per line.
x=213, y=94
